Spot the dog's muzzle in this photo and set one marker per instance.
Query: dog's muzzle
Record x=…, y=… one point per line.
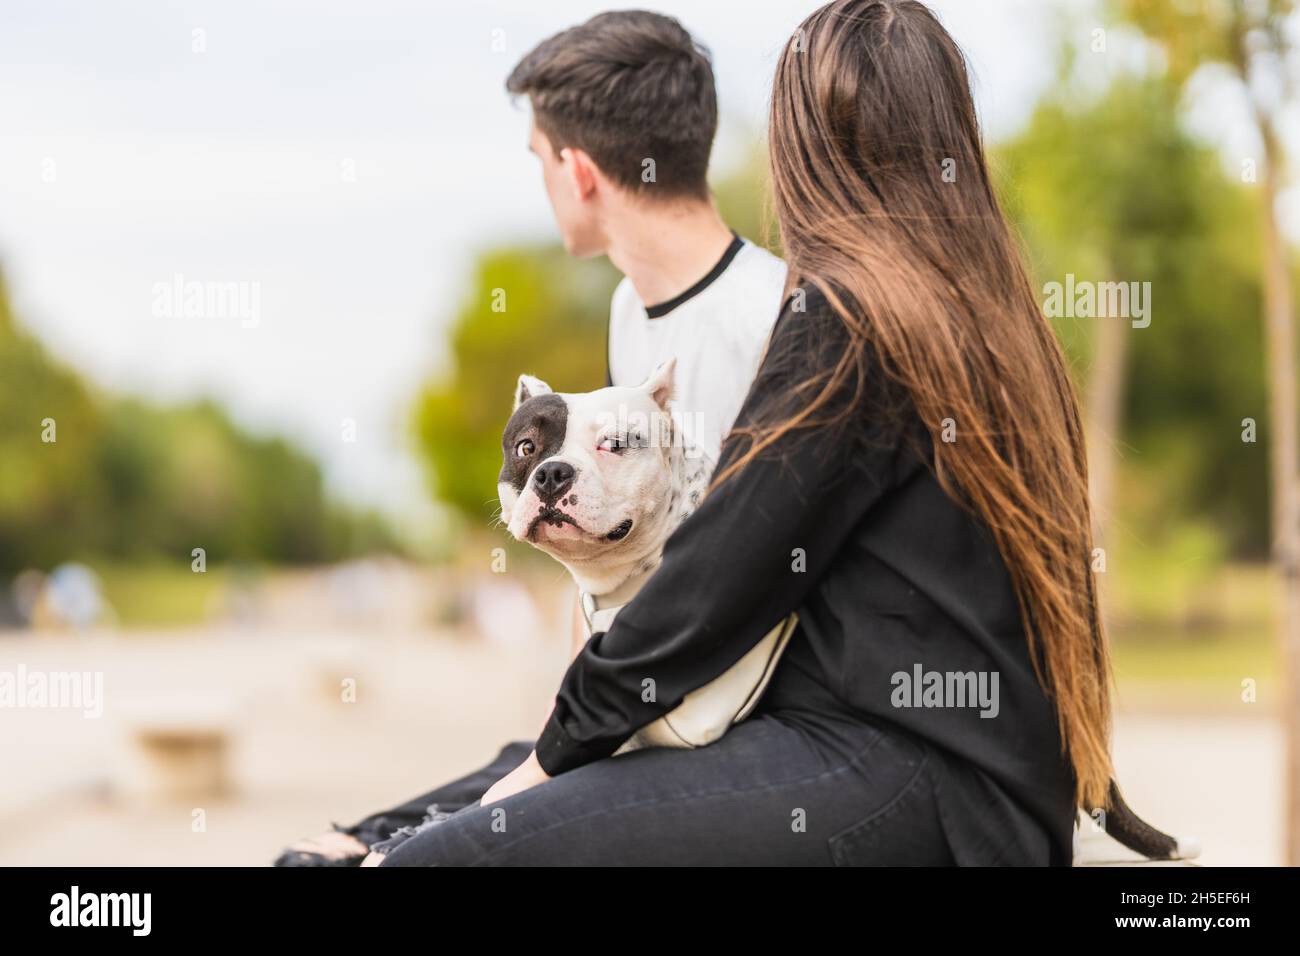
x=551, y=479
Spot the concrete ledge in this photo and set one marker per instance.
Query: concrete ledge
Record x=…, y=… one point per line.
x=175, y=749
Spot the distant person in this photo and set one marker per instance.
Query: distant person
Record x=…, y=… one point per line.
x=624, y=114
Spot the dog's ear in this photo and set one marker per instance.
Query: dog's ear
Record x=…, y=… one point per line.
x=529, y=387
x=660, y=383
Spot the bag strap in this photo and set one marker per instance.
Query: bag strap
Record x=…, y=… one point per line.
x=596, y=619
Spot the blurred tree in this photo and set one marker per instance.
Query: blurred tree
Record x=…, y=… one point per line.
x=1111, y=188
x=744, y=199
x=126, y=479
x=1254, y=40
x=186, y=477
x=48, y=420
x=529, y=310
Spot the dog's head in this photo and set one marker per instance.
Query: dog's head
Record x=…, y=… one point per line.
x=598, y=479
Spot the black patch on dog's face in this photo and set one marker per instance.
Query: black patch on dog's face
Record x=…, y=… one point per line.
x=542, y=421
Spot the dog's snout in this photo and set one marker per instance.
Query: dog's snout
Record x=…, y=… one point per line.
x=552, y=479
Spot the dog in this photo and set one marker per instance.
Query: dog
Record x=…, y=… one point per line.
x=599, y=480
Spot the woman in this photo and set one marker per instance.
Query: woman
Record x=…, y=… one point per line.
x=907, y=474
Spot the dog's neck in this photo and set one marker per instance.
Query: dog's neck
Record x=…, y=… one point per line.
x=613, y=584
x=625, y=591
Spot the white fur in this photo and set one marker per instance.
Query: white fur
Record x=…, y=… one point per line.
x=654, y=486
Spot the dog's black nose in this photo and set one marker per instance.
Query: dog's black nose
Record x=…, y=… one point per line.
x=552, y=479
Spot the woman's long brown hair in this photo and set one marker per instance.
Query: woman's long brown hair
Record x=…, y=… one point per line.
x=885, y=204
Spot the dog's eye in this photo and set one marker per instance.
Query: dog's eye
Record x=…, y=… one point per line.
x=621, y=443
x=525, y=448
x=614, y=443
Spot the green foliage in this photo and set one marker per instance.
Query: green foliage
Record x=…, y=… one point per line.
x=744, y=199
x=186, y=477
x=1115, y=189
x=129, y=480
x=41, y=483
x=163, y=595
x=1193, y=34
x=548, y=319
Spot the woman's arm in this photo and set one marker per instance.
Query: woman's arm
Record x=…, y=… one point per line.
x=745, y=560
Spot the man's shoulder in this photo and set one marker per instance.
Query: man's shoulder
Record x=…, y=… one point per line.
x=759, y=267
x=761, y=256
x=754, y=288
x=624, y=302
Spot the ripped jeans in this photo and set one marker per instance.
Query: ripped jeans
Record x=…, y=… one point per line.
x=779, y=789
x=382, y=831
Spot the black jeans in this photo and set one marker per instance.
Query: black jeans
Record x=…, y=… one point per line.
x=390, y=826
x=786, y=788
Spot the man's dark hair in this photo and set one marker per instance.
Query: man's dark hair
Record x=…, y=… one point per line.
x=625, y=87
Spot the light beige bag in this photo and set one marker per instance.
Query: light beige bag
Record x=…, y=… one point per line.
x=707, y=712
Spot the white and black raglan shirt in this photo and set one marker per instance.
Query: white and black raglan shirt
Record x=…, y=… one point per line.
x=716, y=330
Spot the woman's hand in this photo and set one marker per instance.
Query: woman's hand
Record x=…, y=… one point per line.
x=527, y=774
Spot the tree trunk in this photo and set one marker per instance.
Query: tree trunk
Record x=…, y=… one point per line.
x=1104, y=408
x=1284, y=476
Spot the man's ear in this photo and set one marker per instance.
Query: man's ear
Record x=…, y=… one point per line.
x=529, y=387
x=583, y=173
x=660, y=383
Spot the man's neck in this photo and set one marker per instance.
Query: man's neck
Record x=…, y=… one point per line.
x=665, y=249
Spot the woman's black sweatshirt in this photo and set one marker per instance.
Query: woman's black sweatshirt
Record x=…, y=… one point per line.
x=903, y=601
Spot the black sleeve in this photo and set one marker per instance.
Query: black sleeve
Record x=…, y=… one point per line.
x=744, y=561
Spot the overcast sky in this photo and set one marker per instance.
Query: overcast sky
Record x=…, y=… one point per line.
x=347, y=158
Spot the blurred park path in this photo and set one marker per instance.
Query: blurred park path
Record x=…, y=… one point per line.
x=1216, y=778
x=428, y=706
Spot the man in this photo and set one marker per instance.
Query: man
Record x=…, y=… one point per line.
x=624, y=114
